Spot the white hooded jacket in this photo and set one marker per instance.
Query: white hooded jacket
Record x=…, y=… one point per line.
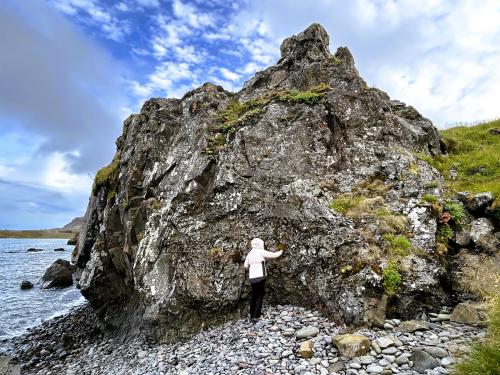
x=255, y=260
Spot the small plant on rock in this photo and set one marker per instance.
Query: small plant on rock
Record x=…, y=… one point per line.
x=429, y=198
x=391, y=278
x=398, y=245
x=432, y=185
x=107, y=176
x=307, y=97
x=343, y=203
x=456, y=210
x=444, y=233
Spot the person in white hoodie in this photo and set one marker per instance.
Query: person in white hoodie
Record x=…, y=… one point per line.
x=255, y=262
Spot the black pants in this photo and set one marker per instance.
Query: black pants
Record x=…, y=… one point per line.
x=257, y=297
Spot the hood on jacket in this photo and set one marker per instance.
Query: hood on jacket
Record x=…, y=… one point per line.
x=258, y=244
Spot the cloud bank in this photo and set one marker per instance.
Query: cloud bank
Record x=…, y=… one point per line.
x=73, y=69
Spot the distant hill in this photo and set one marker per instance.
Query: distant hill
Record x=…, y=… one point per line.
x=75, y=224
x=67, y=231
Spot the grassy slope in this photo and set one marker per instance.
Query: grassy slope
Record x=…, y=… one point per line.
x=475, y=154
x=475, y=149
x=49, y=233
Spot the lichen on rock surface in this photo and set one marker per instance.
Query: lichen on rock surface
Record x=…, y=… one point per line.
x=196, y=178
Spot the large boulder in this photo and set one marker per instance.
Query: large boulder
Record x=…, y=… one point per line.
x=352, y=345
x=469, y=313
x=476, y=203
x=26, y=284
x=306, y=156
x=423, y=361
x=58, y=275
x=481, y=232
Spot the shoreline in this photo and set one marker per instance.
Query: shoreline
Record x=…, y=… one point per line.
x=38, y=234
x=77, y=343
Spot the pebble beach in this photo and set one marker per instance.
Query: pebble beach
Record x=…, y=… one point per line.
x=286, y=340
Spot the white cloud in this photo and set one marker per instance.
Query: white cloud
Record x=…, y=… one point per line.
x=112, y=27
x=441, y=56
x=57, y=176
x=227, y=85
x=191, y=15
x=216, y=36
x=251, y=68
x=229, y=75
x=169, y=79
x=122, y=7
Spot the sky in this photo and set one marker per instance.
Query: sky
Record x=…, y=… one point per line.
x=72, y=70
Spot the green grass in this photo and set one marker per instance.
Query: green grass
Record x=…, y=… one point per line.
x=432, y=184
x=391, y=278
x=398, y=245
x=237, y=113
x=107, y=176
x=455, y=209
x=429, y=198
x=484, y=357
x=307, y=97
x=343, y=203
x=444, y=233
x=473, y=153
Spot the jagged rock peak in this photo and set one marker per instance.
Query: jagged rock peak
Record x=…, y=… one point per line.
x=306, y=62
x=313, y=42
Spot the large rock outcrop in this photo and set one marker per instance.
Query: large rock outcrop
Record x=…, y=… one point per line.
x=194, y=179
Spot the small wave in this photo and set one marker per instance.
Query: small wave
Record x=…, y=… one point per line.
x=67, y=308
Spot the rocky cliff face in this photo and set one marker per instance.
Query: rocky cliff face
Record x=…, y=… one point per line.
x=307, y=157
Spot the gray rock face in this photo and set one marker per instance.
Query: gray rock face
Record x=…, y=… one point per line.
x=194, y=179
x=481, y=228
x=476, y=203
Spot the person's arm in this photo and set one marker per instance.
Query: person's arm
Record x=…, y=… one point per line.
x=271, y=255
x=246, y=264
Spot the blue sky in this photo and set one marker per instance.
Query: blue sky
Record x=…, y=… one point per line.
x=73, y=70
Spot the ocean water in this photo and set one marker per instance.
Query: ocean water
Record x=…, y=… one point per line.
x=20, y=309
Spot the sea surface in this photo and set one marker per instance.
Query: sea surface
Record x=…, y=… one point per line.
x=20, y=309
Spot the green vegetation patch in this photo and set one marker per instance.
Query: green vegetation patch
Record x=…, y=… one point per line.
x=237, y=113
x=444, y=233
x=432, y=185
x=215, y=144
x=455, y=209
x=429, y=198
x=391, y=222
x=344, y=203
x=307, y=97
x=398, y=245
x=391, y=278
x=473, y=154
x=484, y=357
x=107, y=176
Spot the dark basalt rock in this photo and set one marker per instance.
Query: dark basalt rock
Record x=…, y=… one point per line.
x=33, y=250
x=194, y=179
x=58, y=275
x=26, y=284
x=73, y=240
x=59, y=249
